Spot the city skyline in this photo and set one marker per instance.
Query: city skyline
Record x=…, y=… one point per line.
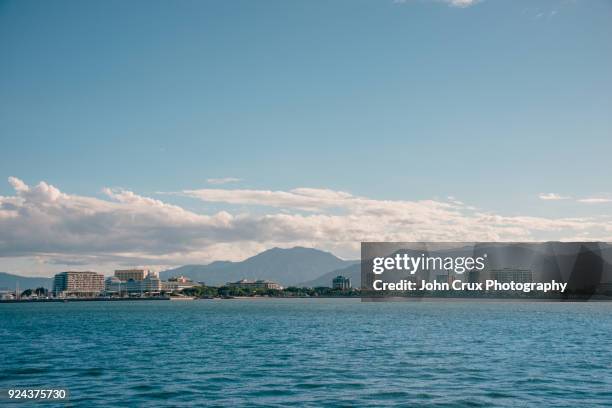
x=156, y=135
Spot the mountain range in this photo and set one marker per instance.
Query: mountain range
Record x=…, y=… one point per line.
x=289, y=267
x=286, y=266
x=9, y=281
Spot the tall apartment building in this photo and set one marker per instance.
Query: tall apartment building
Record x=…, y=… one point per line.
x=131, y=274
x=74, y=283
x=341, y=283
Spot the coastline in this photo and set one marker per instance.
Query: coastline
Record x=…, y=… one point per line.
x=365, y=299
x=79, y=300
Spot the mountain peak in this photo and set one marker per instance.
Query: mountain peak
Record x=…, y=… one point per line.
x=287, y=266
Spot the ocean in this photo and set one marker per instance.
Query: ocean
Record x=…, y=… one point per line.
x=309, y=352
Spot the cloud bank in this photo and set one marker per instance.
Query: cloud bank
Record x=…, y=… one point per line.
x=124, y=227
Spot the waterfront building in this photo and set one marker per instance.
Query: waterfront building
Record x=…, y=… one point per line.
x=134, y=274
x=341, y=283
x=150, y=284
x=6, y=295
x=507, y=275
x=258, y=284
x=177, y=283
x=75, y=283
x=113, y=285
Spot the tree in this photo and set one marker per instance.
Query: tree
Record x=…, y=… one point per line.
x=26, y=293
x=200, y=291
x=42, y=292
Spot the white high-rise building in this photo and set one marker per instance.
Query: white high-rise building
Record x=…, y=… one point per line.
x=75, y=283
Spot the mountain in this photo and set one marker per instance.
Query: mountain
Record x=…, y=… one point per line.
x=285, y=266
x=352, y=271
x=8, y=281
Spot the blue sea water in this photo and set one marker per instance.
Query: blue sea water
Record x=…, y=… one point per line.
x=310, y=352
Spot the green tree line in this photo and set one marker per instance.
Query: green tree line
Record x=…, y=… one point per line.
x=225, y=291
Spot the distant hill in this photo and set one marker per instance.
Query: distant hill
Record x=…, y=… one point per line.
x=8, y=281
x=353, y=272
x=285, y=266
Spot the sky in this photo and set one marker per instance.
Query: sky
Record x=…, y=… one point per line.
x=162, y=133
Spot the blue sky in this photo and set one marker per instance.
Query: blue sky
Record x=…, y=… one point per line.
x=493, y=103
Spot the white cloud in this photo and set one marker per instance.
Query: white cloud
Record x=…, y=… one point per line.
x=307, y=199
x=223, y=180
x=552, y=196
x=595, y=200
x=586, y=200
x=462, y=3
x=453, y=3
x=126, y=228
x=18, y=185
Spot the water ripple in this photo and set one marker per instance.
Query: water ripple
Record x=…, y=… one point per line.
x=319, y=352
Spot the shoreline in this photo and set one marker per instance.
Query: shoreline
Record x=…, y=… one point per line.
x=365, y=299
x=79, y=300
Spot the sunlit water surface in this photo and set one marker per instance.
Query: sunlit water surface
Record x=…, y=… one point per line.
x=310, y=352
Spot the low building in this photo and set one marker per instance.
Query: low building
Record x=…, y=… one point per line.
x=258, y=284
x=7, y=295
x=341, y=283
x=177, y=283
x=149, y=285
x=76, y=283
x=114, y=285
x=125, y=275
x=507, y=275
